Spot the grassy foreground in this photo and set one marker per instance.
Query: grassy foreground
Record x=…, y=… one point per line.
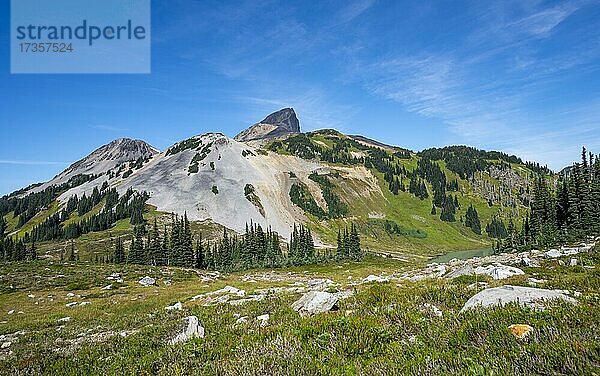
x=384, y=329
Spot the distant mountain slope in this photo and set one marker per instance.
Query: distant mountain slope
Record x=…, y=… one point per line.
x=103, y=159
x=370, y=142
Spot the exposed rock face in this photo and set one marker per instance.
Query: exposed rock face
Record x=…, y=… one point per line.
x=277, y=124
x=525, y=296
x=193, y=329
x=173, y=188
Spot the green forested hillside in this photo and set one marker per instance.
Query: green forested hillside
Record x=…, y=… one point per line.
x=423, y=198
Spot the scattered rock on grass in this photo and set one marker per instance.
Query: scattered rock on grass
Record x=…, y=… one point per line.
x=520, y=331
x=147, y=281
x=435, y=310
x=253, y=298
x=553, y=253
x=264, y=319
x=374, y=278
x=65, y=319
x=193, y=329
x=319, y=284
x=499, y=271
x=525, y=296
x=177, y=306
x=573, y=262
x=315, y=302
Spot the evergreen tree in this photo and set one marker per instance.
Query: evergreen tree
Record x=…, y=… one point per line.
x=33, y=251
x=472, y=220
x=199, y=259
x=136, y=250
x=154, y=254
x=3, y=226
x=72, y=256
x=448, y=210
x=354, y=246
x=187, y=243
x=164, y=249
x=119, y=257
x=496, y=228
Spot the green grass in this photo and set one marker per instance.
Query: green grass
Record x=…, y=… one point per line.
x=75, y=217
x=408, y=212
x=382, y=330
x=39, y=218
x=11, y=221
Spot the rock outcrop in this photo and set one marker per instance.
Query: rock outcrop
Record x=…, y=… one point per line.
x=280, y=123
x=525, y=296
x=315, y=302
x=193, y=329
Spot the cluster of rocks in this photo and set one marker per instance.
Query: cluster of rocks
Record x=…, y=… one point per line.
x=7, y=340
x=147, y=281
x=494, y=266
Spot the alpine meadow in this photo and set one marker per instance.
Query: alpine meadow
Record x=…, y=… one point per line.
x=421, y=196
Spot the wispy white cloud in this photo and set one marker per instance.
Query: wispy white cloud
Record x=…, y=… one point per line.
x=484, y=94
x=353, y=10
x=31, y=163
x=541, y=24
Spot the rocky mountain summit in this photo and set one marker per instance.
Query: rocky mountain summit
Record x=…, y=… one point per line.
x=277, y=124
x=103, y=159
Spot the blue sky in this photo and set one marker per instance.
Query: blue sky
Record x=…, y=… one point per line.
x=518, y=76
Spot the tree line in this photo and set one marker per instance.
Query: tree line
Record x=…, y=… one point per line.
x=26, y=207
x=130, y=205
x=255, y=248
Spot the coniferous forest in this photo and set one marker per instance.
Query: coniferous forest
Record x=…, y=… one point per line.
x=256, y=248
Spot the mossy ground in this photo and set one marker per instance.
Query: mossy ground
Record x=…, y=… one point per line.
x=382, y=330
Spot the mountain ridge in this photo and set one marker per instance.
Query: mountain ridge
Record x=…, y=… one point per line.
x=324, y=179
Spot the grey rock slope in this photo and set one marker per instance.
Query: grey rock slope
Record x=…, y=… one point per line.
x=103, y=159
x=280, y=123
x=217, y=190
